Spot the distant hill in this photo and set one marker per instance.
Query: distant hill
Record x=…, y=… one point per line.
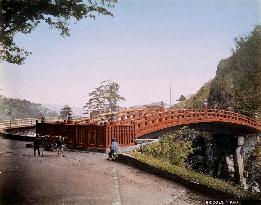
x=77, y=112
x=237, y=83
x=12, y=108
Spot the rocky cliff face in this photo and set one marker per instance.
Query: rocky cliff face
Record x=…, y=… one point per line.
x=212, y=155
x=237, y=84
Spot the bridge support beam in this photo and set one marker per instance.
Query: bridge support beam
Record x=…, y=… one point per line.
x=239, y=163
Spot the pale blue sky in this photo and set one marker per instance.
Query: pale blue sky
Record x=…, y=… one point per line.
x=145, y=47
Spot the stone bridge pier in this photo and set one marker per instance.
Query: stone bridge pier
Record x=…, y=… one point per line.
x=239, y=159
x=239, y=162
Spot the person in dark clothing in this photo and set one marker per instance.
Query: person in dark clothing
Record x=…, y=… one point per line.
x=59, y=143
x=42, y=120
x=43, y=145
x=114, y=148
x=37, y=145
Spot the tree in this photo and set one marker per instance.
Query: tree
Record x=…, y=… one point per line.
x=66, y=112
x=105, y=98
x=24, y=16
x=182, y=98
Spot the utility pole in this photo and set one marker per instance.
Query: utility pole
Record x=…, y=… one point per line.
x=170, y=95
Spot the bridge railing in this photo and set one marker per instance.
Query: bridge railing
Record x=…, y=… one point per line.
x=129, y=117
x=156, y=121
x=234, y=116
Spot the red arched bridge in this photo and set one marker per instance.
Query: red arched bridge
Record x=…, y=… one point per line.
x=129, y=125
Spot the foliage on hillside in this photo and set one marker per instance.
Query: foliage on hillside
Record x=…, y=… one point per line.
x=170, y=148
x=196, y=100
x=238, y=79
x=11, y=108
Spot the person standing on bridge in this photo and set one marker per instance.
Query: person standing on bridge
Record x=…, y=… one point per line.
x=114, y=149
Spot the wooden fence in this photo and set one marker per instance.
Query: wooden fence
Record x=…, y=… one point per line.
x=88, y=136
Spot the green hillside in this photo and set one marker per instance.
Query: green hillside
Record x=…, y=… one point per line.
x=11, y=108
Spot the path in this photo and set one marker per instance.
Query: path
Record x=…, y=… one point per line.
x=81, y=178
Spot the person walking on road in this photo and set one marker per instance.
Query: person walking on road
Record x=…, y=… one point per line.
x=43, y=144
x=37, y=145
x=60, y=145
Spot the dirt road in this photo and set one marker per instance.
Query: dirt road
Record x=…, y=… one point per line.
x=81, y=178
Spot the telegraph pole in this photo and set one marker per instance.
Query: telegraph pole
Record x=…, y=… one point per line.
x=170, y=95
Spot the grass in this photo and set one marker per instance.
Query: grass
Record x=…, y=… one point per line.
x=192, y=176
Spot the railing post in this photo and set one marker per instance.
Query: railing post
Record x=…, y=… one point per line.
x=135, y=129
x=106, y=135
x=36, y=127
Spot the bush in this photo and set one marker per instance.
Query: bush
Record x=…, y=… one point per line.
x=169, y=149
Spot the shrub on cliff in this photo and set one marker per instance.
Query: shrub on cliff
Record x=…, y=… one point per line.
x=170, y=148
